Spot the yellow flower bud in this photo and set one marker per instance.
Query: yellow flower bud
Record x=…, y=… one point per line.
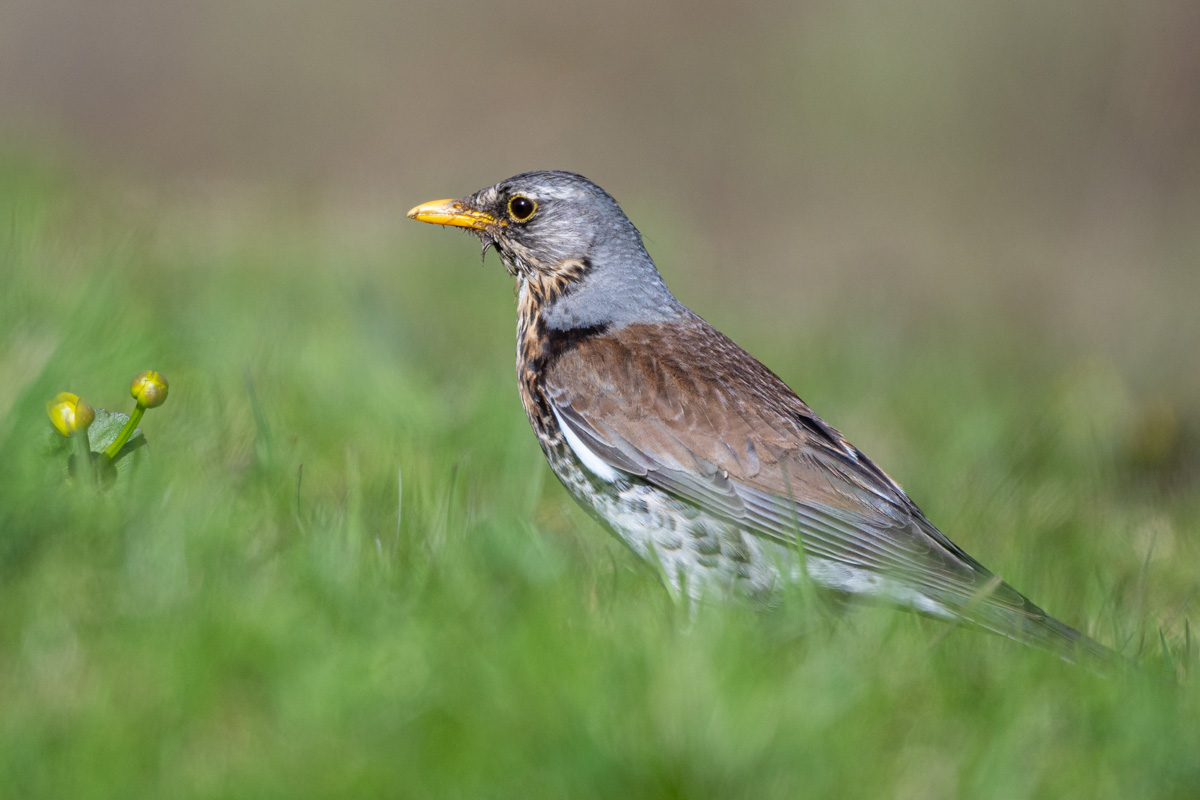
x=69, y=414
x=149, y=389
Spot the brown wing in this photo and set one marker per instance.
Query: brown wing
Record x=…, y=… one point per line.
x=685, y=409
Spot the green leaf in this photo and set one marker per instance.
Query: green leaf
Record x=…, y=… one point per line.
x=103, y=432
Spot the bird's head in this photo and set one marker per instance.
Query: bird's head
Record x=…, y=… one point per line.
x=558, y=229
x=543, y=223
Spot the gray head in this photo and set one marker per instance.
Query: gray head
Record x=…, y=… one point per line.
x=567, y=241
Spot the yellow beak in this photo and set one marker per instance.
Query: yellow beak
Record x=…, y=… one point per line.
x=452, y=212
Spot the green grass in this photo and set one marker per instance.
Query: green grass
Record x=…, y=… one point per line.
x=259, y=615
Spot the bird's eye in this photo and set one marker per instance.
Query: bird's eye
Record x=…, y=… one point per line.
x=521, y=208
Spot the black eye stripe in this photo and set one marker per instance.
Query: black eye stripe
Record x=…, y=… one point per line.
x=521, y=208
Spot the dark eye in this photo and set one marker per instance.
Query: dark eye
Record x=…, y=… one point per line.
x=521, y=208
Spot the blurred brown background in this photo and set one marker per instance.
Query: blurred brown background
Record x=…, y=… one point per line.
x=1036, y=163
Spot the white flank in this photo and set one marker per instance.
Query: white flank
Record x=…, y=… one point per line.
x=854, y=580
x=595, y=464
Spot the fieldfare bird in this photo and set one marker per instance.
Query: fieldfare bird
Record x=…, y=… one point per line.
x=696, y=455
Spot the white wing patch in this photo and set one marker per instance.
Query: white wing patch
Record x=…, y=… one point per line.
x=595, y=464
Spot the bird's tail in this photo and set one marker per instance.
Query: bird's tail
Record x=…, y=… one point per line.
x=1009, y=613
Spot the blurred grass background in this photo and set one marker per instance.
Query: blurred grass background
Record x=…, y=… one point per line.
x=966, y=235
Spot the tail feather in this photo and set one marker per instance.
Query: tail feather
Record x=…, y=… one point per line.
x=1033, y=626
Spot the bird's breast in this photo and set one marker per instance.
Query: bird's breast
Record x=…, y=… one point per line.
x=539, y=347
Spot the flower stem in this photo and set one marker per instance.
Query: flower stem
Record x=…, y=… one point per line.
x=83, y=458
x=126, y=432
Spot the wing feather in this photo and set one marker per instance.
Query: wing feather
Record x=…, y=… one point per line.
x=715, y=428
